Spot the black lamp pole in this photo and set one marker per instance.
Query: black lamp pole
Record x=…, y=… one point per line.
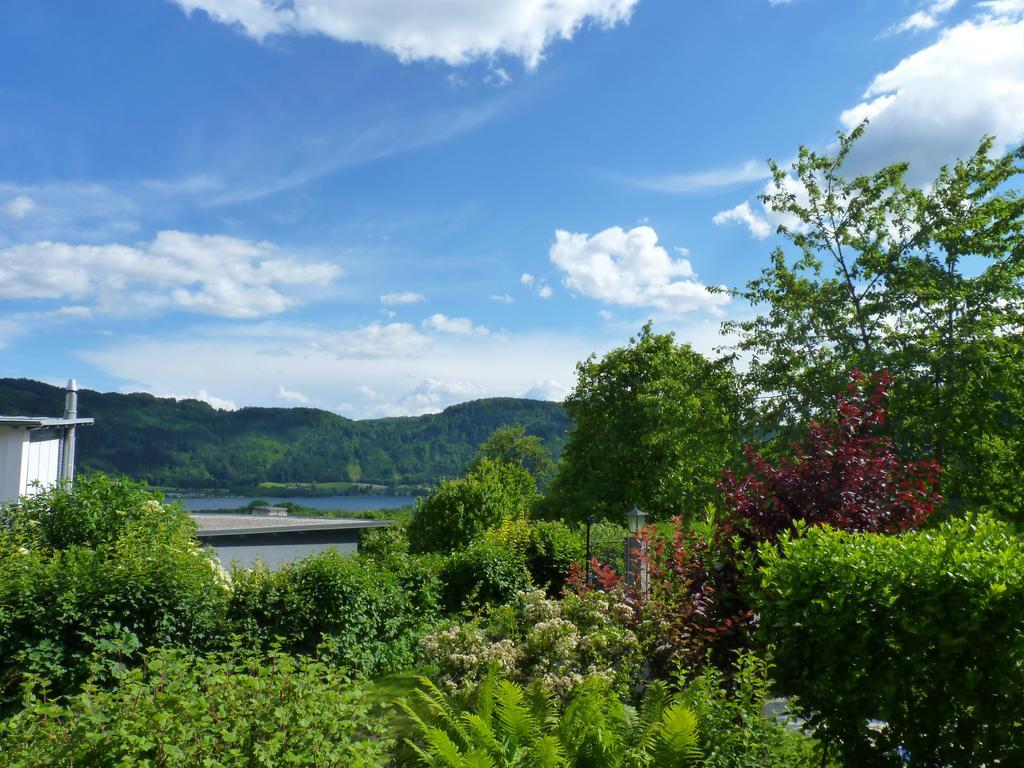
x=590, y=522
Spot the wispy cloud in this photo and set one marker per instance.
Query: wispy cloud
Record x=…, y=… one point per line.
x=702, y=181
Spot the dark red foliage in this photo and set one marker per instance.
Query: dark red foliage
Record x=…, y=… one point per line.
x=845, y=475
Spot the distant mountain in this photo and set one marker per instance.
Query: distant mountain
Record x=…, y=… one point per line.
x=189, y=444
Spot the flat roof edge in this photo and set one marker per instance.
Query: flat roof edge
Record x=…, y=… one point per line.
x=348, y=525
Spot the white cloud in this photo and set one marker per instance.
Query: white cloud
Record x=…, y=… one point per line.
x=502, y=298
x=743, y=214
x=933, y=107
x=454, y=31
x=936, y=104
x=217, y=402
x=20, y=207
x=630, y=268
x=430, y=396
x=1003, y=7
x=381, y=369
x=402, y=298
x=701, y=181
x=545, y=292
x=526, y=278
x=291, y=396
x=547, y=390
x=460, y=326
x=208, y=274
x=924, y=19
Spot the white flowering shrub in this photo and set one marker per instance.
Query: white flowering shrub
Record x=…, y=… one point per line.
x=559, y=642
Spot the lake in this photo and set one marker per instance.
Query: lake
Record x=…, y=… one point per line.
x=349, y=503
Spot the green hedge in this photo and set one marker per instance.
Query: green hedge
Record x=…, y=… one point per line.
x=484, y=573
x=182, y=711
x=103, y=570
x=921, y=636
x=360, y=614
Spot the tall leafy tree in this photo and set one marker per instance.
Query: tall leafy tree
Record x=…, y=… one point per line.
x=511, y=443
x=927, y=283
x=655, y=423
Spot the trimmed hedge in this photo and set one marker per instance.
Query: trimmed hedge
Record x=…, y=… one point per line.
x=907, y=648
x=360, y=614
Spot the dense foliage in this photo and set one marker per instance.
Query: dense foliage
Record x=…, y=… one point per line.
x=509, y=727
x=459, y=510
x=177, y=710
x=187, y=443
x=844, y=474
x=927, y=283
x=103, y=568
x=921, y=634
x=559, y=643
x=360, y=614
x=655, y=423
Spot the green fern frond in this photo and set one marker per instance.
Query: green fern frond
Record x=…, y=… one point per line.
x=517, y=722
x=677, y=745
x=482, y=735
x=547, y=752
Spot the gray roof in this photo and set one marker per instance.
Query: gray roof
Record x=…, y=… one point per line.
x=34, y=422
x=217, y=524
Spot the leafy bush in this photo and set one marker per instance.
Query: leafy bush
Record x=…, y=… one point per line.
x=740, y=725
x=181, y=711
x=345, y=608
x=508, y=727
x=549, y=549
x=845, y=475
x=484, y=573
x=96, y=510
x=558, y=642
x=99, y=567
x=459, y=511
x=923, y=633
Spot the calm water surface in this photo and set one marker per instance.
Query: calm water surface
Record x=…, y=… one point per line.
x=352, y=503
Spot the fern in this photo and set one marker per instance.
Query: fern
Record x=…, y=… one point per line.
x=510, y=727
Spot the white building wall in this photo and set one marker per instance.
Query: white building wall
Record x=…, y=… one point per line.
x=14, y=442
x=41, y=462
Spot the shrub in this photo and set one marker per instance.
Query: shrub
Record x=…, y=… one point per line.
x=843, y=474
x=97, y=568
x=741, y=726
x=922, y=633
x=558, y=642
x=484, y=573
x=549, y=549
x=345, y=608
x=96, y=510
x=459, y=511
x=181, y=711
x=508, y=726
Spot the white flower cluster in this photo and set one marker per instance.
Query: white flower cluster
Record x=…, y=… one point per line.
x=560, y=642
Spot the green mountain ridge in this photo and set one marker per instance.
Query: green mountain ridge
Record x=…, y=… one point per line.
x=189, y=444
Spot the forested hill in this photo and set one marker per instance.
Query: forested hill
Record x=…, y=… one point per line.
x=189, y=444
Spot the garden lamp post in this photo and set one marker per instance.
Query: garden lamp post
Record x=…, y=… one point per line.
x=636, y=566
x=590, y=522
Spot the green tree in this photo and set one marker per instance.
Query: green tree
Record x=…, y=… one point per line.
x=656, y=423
x=511, y=443
x=460, y=510
x=928, y=284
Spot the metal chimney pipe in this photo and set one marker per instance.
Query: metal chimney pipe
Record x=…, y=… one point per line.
x=67, y=471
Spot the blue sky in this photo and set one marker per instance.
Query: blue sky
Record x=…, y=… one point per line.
x=381, y=207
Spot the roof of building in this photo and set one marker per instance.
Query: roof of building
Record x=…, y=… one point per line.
x=219, y=524
x=34, y=422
